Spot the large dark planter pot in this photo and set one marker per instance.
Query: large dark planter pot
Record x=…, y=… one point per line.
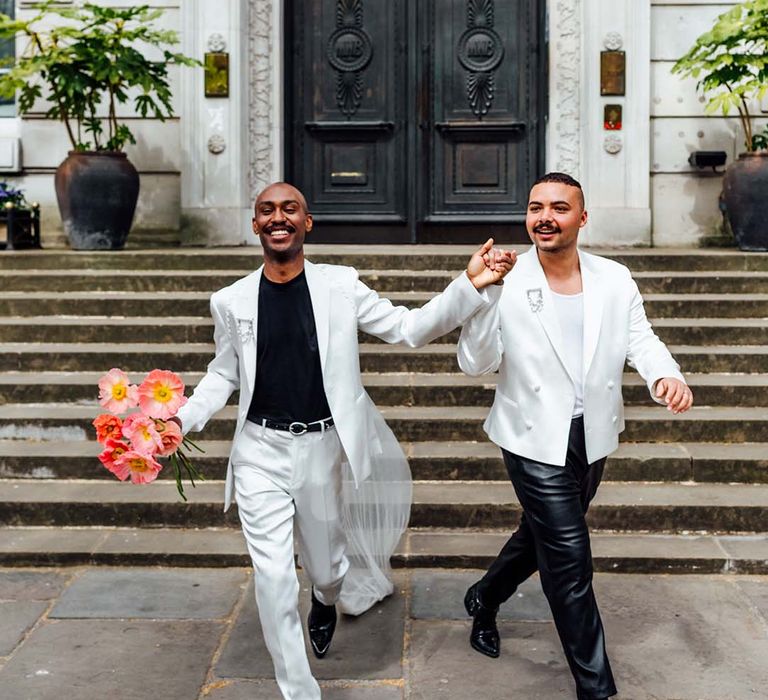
x=745, y=188
x=97, y=193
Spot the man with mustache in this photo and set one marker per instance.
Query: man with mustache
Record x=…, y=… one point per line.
x=559, y=336
x=286, y=337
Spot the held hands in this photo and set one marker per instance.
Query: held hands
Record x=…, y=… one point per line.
x=677, y=395
x=489, y=265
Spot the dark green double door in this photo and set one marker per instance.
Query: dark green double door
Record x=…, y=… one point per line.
x=415, y=120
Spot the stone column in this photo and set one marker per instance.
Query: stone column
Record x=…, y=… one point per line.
x=215, y=192
x=613, y=166
x=267, y=87
x=565, y=87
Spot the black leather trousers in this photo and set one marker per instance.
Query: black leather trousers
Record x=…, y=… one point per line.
x=553, y=538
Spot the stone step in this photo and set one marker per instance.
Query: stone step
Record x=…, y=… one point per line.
x=194, y=329
x=435, y=423
x=137, y=357
x=420, y=423
x=369, y=257
x=618, y=552
x=383, y=281
x=649, y=507
x=392, y=389
x=420, y=547
x=673, y=331
x=429, y=460
x=170, y=304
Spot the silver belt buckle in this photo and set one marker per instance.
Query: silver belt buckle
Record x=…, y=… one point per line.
x=302, y=428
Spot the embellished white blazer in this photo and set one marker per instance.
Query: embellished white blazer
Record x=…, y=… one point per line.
x=342, y=304
x=520, y=337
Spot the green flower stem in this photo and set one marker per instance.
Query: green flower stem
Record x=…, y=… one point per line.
x=188, y=443
x=174, y=459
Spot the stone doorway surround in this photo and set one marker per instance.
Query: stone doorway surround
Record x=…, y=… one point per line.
x=233, y=147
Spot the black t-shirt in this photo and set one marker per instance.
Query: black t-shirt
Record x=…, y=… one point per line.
x=289, y=380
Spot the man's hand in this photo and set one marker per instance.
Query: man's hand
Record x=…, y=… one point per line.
x=489, y=265
x=677, y=395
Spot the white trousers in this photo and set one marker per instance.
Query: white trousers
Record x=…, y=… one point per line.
x=286, y=485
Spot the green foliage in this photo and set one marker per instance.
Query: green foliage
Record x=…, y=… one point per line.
x=733, y=55
x=760, y=140
x=84, y=55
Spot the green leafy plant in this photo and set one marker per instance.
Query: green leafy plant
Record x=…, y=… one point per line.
x=86, y=55
x=732, y=59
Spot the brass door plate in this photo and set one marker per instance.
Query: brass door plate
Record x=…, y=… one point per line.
x=216, y=74
x=613, y=72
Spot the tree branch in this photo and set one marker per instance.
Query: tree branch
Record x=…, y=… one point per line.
x=744, y=117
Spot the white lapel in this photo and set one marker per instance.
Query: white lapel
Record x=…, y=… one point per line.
x=245, y=313
x=542, y=304
x=593, y=309
x=320, y=293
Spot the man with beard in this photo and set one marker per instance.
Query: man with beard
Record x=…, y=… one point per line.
x=287, y=337
x=559, y=336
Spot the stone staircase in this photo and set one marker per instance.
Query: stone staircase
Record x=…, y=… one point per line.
x=682, y=494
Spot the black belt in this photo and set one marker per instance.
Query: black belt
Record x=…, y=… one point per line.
x=293, y=427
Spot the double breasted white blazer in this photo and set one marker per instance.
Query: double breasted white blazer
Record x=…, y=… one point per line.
x=520, y=336
x=342, y=304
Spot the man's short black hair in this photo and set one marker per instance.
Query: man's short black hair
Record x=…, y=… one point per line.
x=563, y=179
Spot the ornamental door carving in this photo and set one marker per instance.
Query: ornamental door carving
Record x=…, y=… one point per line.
x=415, y=121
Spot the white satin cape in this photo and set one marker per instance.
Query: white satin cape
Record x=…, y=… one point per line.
x=375, y=516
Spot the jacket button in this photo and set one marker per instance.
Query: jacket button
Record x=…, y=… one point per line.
x=615, y=418
x=537, y=388
x=611, y=385
x=528, y=426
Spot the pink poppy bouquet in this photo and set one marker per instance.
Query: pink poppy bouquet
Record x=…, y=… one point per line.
x=133, y=444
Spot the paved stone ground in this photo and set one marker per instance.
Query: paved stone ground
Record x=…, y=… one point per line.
x=192, y=634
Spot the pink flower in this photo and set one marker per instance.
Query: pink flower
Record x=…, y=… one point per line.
x=170, y=434
x=142, y=468
x=116, y=394
x=140, y=430
x=113, y=450
x=107, y=426
x=161, y=394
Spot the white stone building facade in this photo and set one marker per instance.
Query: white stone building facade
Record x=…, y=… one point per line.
x=200, y=171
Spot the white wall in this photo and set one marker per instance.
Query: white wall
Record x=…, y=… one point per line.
x=684, y=199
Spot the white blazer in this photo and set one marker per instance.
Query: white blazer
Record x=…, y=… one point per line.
x=520, y=336
x=342, y=304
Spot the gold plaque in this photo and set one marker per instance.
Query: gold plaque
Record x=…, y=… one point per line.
x=613, y=72
x=216, y=74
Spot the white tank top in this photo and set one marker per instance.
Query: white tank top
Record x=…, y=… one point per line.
x=570, y=312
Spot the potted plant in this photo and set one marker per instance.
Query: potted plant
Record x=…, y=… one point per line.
x=19, y=221
x=85, y=57
x=731, y=60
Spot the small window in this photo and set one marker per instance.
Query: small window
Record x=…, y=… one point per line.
x=7, y=52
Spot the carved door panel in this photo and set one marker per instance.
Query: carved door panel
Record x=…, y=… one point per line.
x=349, y=128
x=483, y=131
x=415, y=120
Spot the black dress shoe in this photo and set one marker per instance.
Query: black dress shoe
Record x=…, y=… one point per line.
x=322, y=624
x=485, y=635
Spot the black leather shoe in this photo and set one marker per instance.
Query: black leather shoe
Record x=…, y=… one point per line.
x=485, y=635
x=322, y=624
